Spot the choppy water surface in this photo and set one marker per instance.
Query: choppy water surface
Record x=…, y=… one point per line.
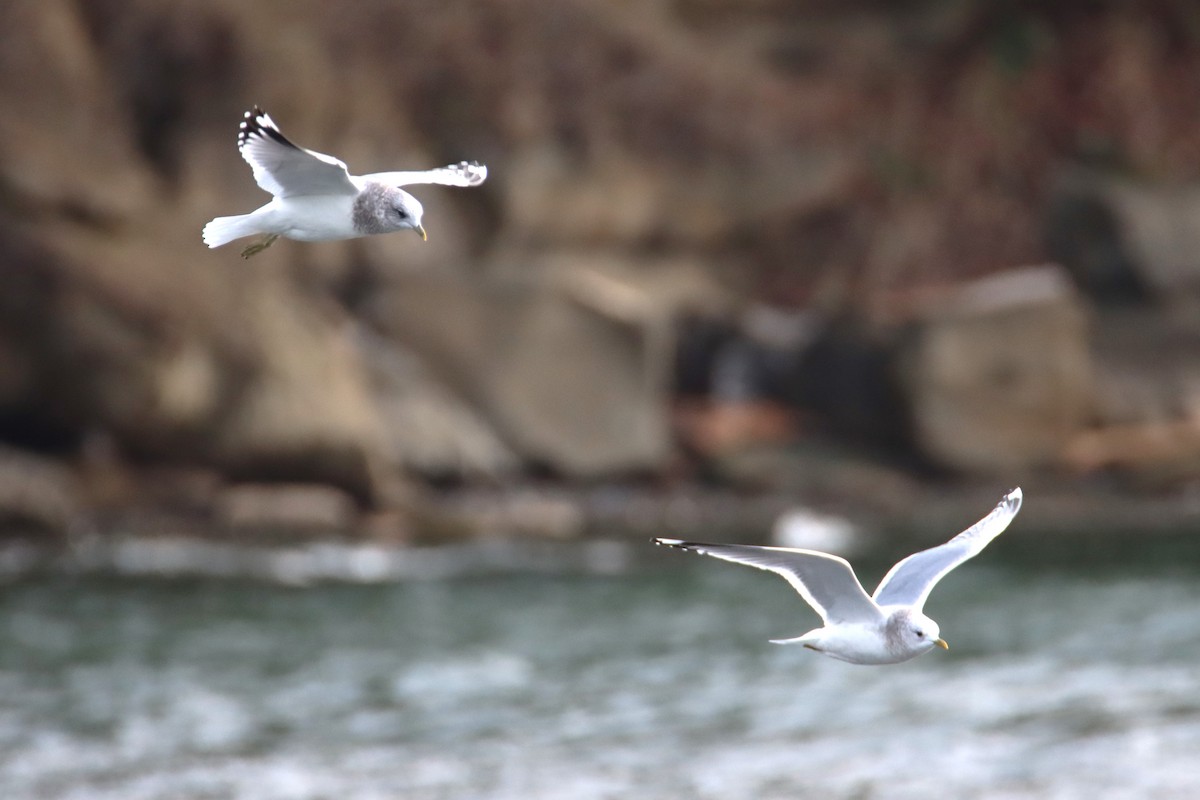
x=654, y=683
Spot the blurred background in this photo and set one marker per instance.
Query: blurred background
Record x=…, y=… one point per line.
x=369, y=518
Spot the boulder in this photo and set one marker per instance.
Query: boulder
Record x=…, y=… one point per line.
x=1147, y=409
x=427, y=428
x=38, y=496
x=997, y=373
x=250, y=374
x=285, y=508
x=574, y=373
x=1160, y=225
x=115, y=317
x=1125, y=241
x=1083, y=234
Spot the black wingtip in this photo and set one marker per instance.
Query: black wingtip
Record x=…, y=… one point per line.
x=677, y=544
x=474, y=172
x=257, y=122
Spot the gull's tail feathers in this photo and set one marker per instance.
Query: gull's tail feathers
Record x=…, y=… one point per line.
x=795, y=640
x=224, y=230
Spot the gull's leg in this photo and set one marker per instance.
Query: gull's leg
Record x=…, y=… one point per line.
x=258, y=247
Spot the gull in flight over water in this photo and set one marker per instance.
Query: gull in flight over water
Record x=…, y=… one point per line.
x=887, y=627
x=316, y=199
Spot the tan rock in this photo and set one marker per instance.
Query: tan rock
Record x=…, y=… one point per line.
x=578, y=384
x=65, y=147
x=285, y=508
x=998, y=375
x=426, y=427
x=1160, y=229
x=37, y=495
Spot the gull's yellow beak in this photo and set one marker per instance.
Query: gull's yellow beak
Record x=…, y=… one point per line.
x=421, y=230
x=941, y=643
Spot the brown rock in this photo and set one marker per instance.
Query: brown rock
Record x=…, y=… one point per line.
x=998, y=375
x=425, y=426
x=37, y=495
x=526, y=513
x=65, y=148
x=116, y=317
x=1159, y=230
x=576, y=383
x=116, y=145
x=286, y=508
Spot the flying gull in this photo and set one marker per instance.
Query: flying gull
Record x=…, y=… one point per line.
x=316, y=199
x=887, y=627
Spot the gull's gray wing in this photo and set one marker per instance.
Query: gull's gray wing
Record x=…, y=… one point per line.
x=464, y=173
x=826, y=582
x=909, y=582
x=282, y=168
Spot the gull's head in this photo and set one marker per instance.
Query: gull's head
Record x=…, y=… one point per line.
x=405, y=212
x=924, y=634
x=911, y=632
x=383, y=208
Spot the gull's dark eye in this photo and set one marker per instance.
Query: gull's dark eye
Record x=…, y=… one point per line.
x=920, y=634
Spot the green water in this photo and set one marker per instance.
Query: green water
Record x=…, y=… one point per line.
x=655, y=681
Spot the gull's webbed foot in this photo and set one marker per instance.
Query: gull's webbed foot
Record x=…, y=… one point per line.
x=258, y=247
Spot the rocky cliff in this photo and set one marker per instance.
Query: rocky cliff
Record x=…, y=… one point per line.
x=649, y=163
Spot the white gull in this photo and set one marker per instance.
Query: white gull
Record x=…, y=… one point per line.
x=316, y=199
x=886, y=628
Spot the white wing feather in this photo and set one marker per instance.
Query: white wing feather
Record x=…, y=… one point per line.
x=284, y=169
x=826, y=582
x=464, y=173
x=909, y=582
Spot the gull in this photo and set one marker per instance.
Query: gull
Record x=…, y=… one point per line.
x=887, y=627
x=316, y=199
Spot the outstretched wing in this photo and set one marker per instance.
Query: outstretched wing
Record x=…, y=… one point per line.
x=464, y=173
x=909, y=582
x=826, y=582
x=282, y=168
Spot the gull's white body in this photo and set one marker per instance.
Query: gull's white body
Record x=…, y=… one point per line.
x=316, y=198
x=857, y=643
x=305, y=219
x=870, y=642
x=886, y=628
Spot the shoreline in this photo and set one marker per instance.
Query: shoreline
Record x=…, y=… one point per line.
x=606, y=530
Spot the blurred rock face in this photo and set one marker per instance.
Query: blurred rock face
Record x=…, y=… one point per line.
x=674, y=158
x=999, y=375
x=116, y=135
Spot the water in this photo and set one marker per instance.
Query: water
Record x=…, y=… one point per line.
x=655, y=682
